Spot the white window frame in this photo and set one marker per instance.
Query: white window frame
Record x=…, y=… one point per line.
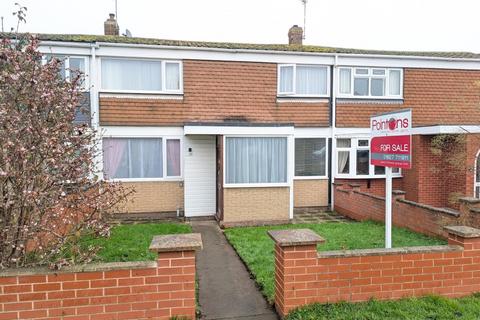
x=164, y=158
x=353, y=161
x=476, y=183
x=256, y=185
x=370, y=76
x=85, y=85
x=163, y=76
x=294, y=79
x=326, y=160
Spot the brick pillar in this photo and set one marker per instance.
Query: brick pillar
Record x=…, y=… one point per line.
x=467, y=237
x=295, y=256
x=176, y=269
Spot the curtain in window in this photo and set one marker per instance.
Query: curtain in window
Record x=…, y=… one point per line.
x=311, y=80
x=343, y=162
x=173, y=158
x=394, y=82
x=132, y=158
x=122, y=74
x=310, y=156
x=256, y=160
x=172, y=76
x=345, y=81
x=286, y=79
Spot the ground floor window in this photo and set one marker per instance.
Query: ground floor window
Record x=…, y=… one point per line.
x=477, y=176
x=255, y=160
x=141, y=158
x=353, y=159
x=310, y=157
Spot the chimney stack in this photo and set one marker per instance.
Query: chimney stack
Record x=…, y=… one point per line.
x=295, y=35
x=111, y=26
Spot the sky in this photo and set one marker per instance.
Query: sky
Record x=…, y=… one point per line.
x=426, y=25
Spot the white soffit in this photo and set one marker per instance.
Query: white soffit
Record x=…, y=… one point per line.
x=238, y=130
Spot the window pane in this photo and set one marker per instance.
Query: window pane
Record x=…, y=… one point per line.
x=256, y=160
x=310, y=157
x=343, y=143
x=345, y=81
x=477, y=192
x=173, y=158
x=395, y=170
x=311, y=80
x=132, y=158
x=379, y=170
x=361, y=71
x=394, y=82
x=77, y=65
x=478, y=170
x=363, y=143
x=343, y=162
x=360, y=86
x=122, y=74
x=286, y=79
x=363, y=162
x=378, y=87
x=61, y=65
x=380, y=72
x=172, y=76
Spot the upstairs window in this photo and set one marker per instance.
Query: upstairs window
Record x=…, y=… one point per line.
x=70, y=67
x=130, y=75
x=302, y=80
x=370, y=83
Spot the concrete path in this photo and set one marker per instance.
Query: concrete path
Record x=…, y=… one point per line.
x=226, y=290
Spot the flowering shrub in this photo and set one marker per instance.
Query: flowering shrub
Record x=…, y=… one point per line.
x=50, y=196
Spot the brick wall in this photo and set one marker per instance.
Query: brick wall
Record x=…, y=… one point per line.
x=435, y=96
x=373, y=186
x=128, y=290
x=157, y=196
x=418, y=217
x=310, y=193
x=256, y=205
x=303, y=276
x=217, y=91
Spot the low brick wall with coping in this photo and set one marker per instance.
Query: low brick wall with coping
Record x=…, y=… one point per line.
x=359, y=205
x=303, y=276
x=126, y=290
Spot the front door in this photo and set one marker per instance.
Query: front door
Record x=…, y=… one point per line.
x=200, y=176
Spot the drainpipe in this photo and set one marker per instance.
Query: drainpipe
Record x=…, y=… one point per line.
x=94, y=107
x=334, y=124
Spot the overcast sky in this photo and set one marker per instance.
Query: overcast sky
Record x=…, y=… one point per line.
x=441, y=25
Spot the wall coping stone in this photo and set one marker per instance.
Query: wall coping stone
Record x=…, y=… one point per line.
x=448, y=211
x=475, y=210
x=369, y=195
x=384, y=251
x=398, y=192
x=337, y=184
x=295, y=237
x=93, y=267
x=355, y=185
x=463, y=231
x=470, y=200
x=176, y=242
x=343, y=190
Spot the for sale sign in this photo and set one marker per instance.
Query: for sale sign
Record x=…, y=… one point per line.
x=391, y=141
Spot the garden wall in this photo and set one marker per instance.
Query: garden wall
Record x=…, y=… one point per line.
x=127, y=290
x=358, y=205
x=303, y=276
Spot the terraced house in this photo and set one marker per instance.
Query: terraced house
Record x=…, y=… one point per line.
x=248, y=132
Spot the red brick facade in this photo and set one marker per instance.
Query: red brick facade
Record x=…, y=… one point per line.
x=303, y=276
x=157, y=291
x=445, y=97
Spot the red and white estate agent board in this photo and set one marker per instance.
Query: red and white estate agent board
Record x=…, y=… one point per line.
x=391, y=147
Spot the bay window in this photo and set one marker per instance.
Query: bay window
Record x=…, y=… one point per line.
x=310, y=157
x=353, y=159
x=302, y=80
x=255, y=160
x=370, y=82
x=156, y=76
x=141, y=158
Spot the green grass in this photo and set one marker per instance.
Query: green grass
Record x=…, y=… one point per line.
x=131, y=242
x=256, y=248
x=426, y=308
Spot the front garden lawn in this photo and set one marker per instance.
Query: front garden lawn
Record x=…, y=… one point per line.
x=130, y=242
x=256, y=248
x=430, y=307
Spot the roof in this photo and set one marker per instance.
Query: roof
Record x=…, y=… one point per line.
x=84, y=38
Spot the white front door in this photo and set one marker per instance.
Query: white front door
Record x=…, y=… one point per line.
x=199, y=176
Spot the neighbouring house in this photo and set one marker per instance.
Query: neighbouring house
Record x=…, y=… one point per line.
x=248, y=132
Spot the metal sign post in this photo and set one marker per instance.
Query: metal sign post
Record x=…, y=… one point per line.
x=391, y=148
